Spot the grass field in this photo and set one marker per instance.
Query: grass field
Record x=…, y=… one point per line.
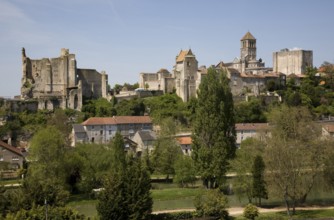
x=302, y=214
x=167, y=196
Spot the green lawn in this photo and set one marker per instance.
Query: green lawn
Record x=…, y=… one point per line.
x=168, y=196
x=302, y=214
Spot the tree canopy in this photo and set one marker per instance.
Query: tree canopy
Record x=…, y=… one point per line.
x=213, y=131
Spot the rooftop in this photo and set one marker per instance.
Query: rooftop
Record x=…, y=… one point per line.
x=118, y=120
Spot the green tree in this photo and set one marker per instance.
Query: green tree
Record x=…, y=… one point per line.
x=133, y=107
x=46, y=173
x=293, y=155
x=167, y=106
x=242, y=166
x=250, y=112
x=185, y=172
x=259, y=185
x=214, y=131
x=126, y=193
x=166, y=150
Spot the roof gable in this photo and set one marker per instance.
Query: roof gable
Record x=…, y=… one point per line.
x=183, y=54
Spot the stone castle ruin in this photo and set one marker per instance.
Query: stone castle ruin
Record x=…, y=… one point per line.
x=58, y=83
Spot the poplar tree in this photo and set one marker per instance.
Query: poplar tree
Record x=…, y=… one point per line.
x=214, y=128
x=259, y=185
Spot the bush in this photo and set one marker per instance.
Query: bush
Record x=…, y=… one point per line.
x=213, y=203
x=38, y=213
x=251, y=211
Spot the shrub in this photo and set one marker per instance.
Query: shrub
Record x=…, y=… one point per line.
x=251, y=211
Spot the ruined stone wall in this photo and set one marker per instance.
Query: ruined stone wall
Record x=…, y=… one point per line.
x=91, y=82
x=57, y=83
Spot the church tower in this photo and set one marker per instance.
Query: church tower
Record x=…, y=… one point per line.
x=248, y=48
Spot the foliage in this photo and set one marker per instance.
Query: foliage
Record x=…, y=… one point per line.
x=167, y=106
x=252, y=111
x=185, y=172
x=126, y=193
x=39, y=213
x=213, y=131
x=259, y=185
x=212, y=203
x=46, y=173
x=251, y=211
x=133, y=107
x=166, y=150
x=98, y=108
x=242, y=166
x=329, y=167
x=294, y=154
x=89, y=163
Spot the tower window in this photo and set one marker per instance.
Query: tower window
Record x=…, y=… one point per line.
x=188, y=63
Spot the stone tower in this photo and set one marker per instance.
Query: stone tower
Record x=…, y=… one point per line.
x=248, y=47
x=185, y=72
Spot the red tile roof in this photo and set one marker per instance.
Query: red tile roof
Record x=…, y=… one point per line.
x=251, y=126
x=118, y=120
x=11, y=148
x=184, y=140
x=329, y=128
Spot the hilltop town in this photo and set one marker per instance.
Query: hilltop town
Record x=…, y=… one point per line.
x=195, y=125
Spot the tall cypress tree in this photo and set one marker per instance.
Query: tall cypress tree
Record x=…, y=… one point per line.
x=126, y=193
x=214, y=128
x=259, y=185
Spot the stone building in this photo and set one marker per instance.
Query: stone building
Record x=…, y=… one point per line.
x=248, y=63
x=292, y=61
x=102, y=129
x=184, y=79
x=58, y=83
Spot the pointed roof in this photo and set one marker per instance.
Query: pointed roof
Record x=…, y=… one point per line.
x=183, y=54
x=248, y=36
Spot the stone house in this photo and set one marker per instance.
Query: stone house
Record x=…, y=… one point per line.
x=145, y=140
x=185, y=144
x=11, y=155
x=102, y=129
x=328, y=130
x=250, y=130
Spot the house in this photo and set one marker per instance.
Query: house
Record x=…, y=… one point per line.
x=185, y=144
x=250, y=130
x=328, y=130
x=102, y=129
x=130, y=146
x=11, y=155
x=145, y=140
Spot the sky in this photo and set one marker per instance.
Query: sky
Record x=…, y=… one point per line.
x=127, y=37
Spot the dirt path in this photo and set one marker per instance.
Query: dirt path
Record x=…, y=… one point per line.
x=234, y=211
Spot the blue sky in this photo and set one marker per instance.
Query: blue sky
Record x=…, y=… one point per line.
x=126, y=37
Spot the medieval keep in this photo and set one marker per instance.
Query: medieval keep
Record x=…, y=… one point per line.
x=58, y=83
